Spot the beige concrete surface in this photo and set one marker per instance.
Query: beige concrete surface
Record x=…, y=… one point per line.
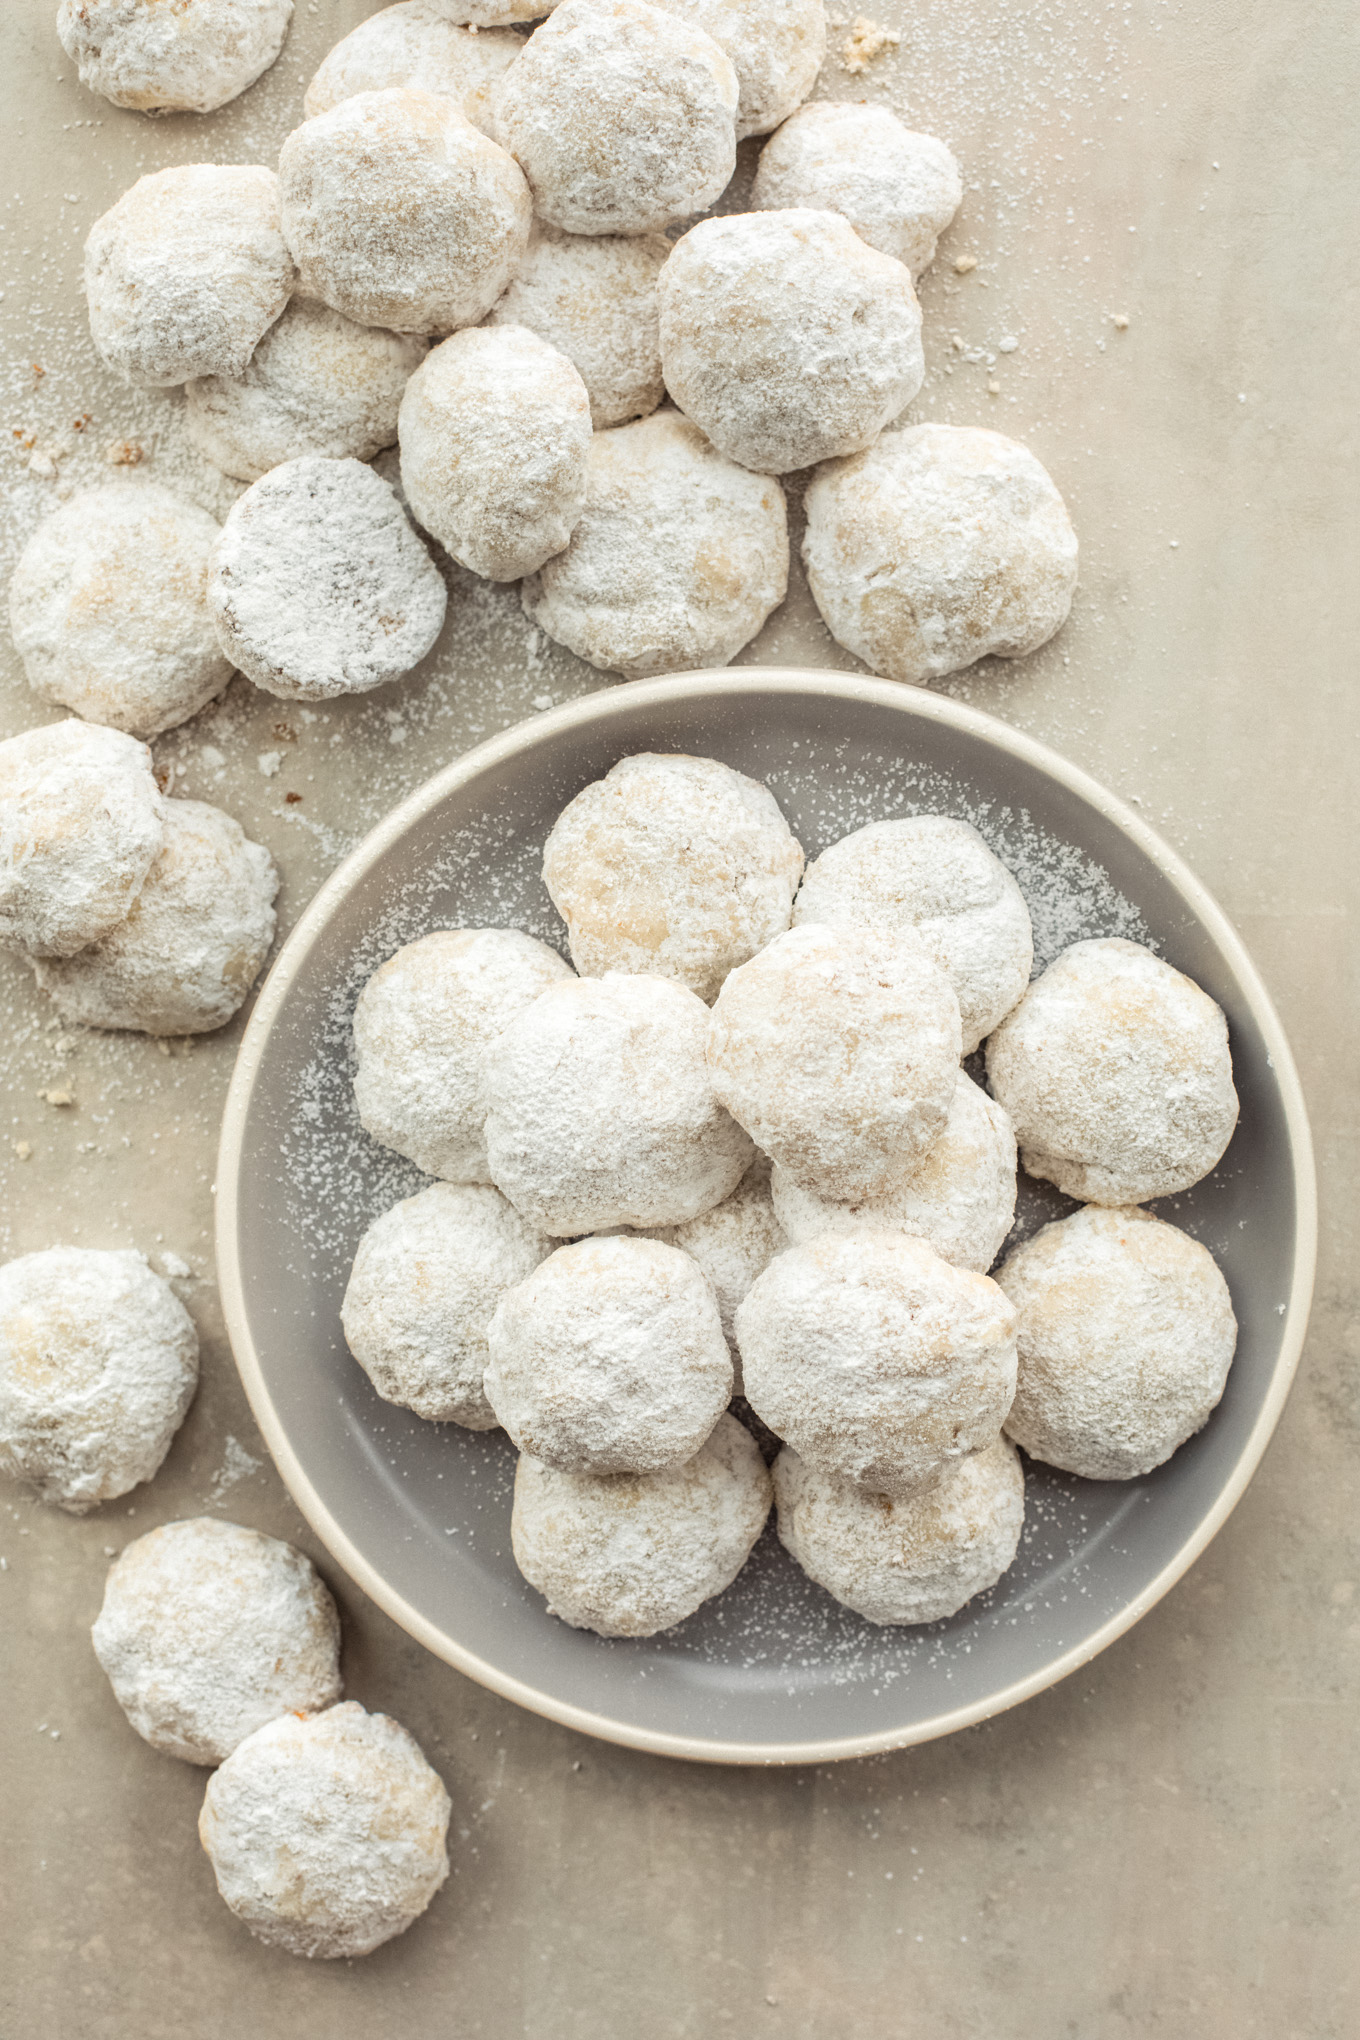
x=1166, y=1844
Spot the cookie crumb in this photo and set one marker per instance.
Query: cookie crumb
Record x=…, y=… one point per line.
x=867, y=41
x=124, y=453
x=964, y=265
x=1120, y=321
x=57, y=1097
x=23, y=1149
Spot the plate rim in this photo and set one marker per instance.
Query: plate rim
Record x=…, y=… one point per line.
x=600, y=705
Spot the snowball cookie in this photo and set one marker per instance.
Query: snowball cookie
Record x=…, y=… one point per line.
x=424, y=43
x=187, y=58
x=601, y=1111
x=935, y=874
x=209, y=1630
x=80, y=823
x=776, y=48
x=98, y=1364
x=317, y=383
x=610, y=1358
x=593, y=298
x=673, y=865
x=495, y=432
x=899, y=190
x=786, y=338
x=876, y=1360
x=1126, y=1333
x=326, y=1831
x=733, y=1243
x=108, y=606
x=960, y=1197
x=838, y=1050
x=194, y=939
x=1117, y=1074
x=422, y=1028
x=940, y=546
x=187, y=272
x=426, y=1279
x=904, y=1561
x=621, y=116
x=401, y=213
x=319, y=584
x=678, y=559
x=631, y=1553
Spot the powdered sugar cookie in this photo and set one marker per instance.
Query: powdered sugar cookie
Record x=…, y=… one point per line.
x=193, y=941
x=937, y=547
x=933, y=874
x=1117, y=1074
x=622, y=117
x=423, y=1026
x=495, y=431
x=876, y=1360
x=108, y=606
x=1126, y=1333
x=786, y=338
x=733, y=1243
x=425, y=43
x=593, y=298
x=960, y=1197
x=917, y=1560
x=326, y=1832
x=776, y=48
x=98, y=1364
x=629, y=1554
x=838, y=1049
x=185, y=275
x=80, y=824
x=425, y=1283
x=208, y=1630
x=601, y=1111
x=188, y=58
x=678, y=558
x=317, y=383
x=671, y=865
x=898, y=189
x=320, y=586
x=401, y=213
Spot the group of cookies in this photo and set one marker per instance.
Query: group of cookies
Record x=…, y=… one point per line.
x=735, y=1153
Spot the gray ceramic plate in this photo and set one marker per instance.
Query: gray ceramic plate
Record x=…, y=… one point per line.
x=773, y=1671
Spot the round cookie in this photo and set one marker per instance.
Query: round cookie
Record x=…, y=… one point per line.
x=108, y=606
x=678, y=559
x=193, y=942
x=98, y=1364
x=939, y=546
x=423, y=1026
x=622, y=117
x=425, y=43
x=776, y=48
x=960, y=1197
x=1126, y=1333
x=838, y=1050
x=188, y=58
x=904, y=1561
x=671, y=865
x=317, y=383
x=326, y=1832
x=320, y=586
x=426, y=1280
x=601, y=1111
x=935, y=874
x=609, y=1358
x=630, y=1554
x=209, y=1630
x=786, y=338
x=401, y=213
x=899, y=190
x=495, y=432
x=593, y=298
x=80, y=824
x=732, y=1243
x=876, y=1360
x=185, y=275
x=1117, y=1074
